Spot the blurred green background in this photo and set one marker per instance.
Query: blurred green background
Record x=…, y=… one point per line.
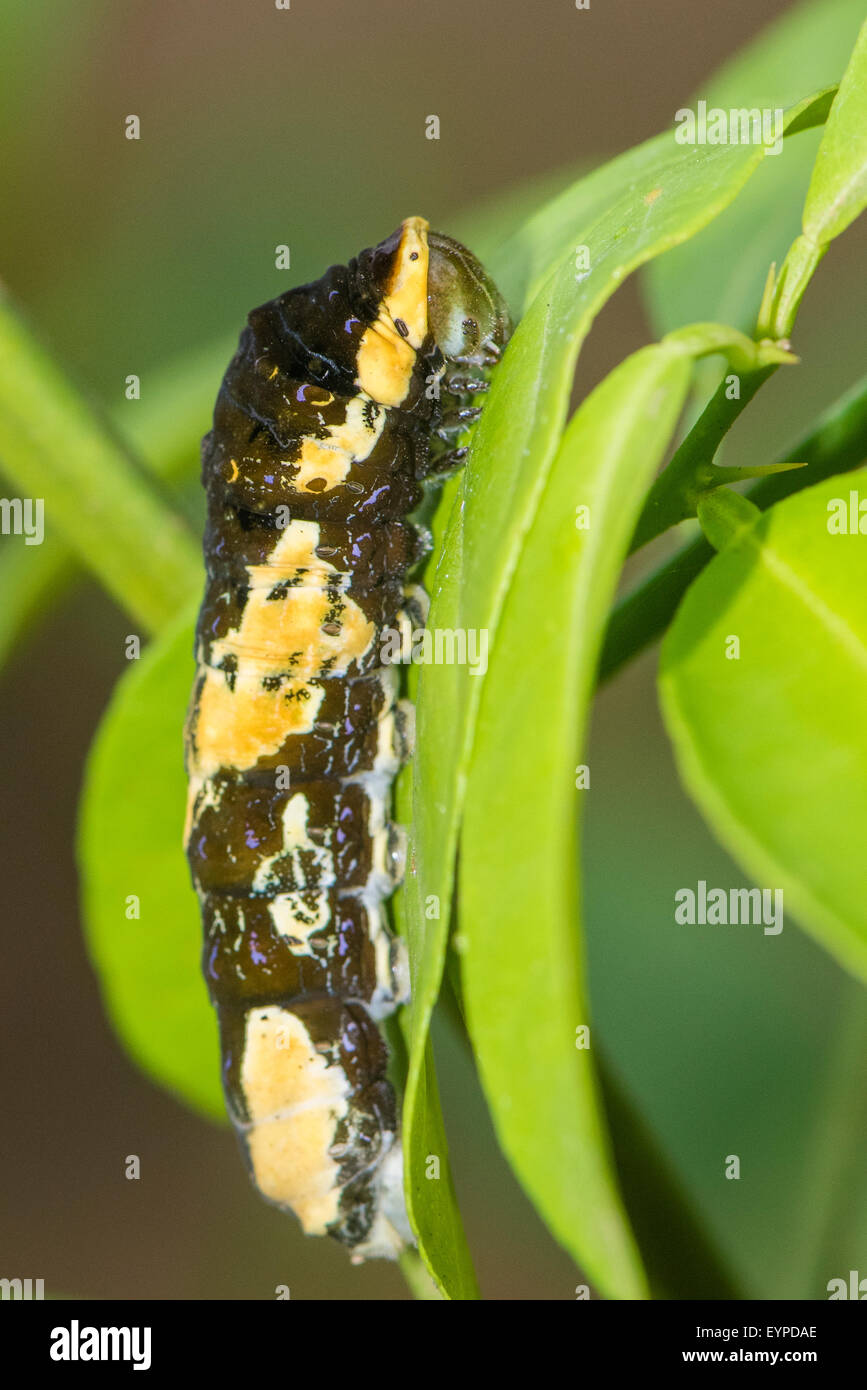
x=306, y=127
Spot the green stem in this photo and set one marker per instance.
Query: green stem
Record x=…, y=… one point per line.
x=680, y=1258
x=162, y=429
x=692, y=471
x=837, y=445
x=833, y=1168
x=55, y=449
x=421, y=1286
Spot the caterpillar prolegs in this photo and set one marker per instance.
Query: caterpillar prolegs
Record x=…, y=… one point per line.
x=343, y=397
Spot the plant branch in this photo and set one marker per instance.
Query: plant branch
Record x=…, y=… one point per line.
x=836, y=1153
x=56, y=450
x=680, y=1258
x=674, y=495
x=421, y=1286
x=837, y=445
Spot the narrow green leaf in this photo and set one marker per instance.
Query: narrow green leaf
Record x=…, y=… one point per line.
x=838, y=188
x=52, y=447
x=432, y=1205
x=497, y=227
x=131, y=846
x=837, y=194
x=437, y=1225
x=522, y=947
x=653, y=197
x=522, y=264
x=740, y=245
x=770, y=736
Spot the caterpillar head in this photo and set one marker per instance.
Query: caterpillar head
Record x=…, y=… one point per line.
x=467, y=315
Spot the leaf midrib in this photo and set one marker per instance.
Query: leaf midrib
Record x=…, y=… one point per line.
x=821, y=611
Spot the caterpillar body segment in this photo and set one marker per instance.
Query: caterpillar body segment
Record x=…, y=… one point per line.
x=343, y=397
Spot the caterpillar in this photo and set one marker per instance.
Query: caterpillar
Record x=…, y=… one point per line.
x=345, y=397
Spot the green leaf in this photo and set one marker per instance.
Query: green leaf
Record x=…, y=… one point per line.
x=838, y=188
x=772, y=746
x=740, y=245
x=437, y=1224
x=521, y=942
x=522, y=262
x=497, y=227
x=653, y=197
x=53, y=447
x=807, y=48
x=131, y=843
x=432, y=1206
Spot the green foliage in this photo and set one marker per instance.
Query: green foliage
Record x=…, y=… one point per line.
x=131, y=845
x=644, y=202
x=837, y=443
x=838, y=188
x=806, y=50
x=521, y=944
x=772, y=746
x=837, y=194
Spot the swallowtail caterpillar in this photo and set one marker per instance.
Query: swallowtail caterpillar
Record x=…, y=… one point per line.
x=344, y=396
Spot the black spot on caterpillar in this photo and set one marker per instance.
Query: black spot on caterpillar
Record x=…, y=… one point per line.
x=344, y=396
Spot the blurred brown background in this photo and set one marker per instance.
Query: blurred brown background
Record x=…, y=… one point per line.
x=307, y=127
